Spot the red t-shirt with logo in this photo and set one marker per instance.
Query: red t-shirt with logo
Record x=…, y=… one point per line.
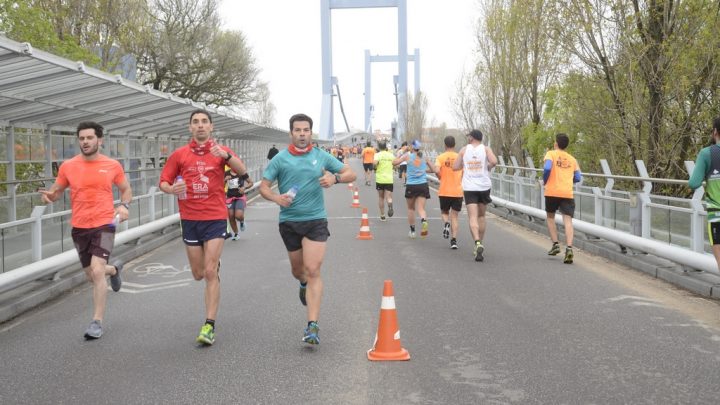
x=204, y=176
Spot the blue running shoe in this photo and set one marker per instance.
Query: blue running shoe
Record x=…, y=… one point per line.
x=311, y=334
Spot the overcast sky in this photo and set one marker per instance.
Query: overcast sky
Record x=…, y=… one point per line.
x=285, y=38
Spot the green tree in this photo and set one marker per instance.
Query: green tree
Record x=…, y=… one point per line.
x=24, y=21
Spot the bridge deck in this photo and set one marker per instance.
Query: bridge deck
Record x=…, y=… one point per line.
x=519, y=327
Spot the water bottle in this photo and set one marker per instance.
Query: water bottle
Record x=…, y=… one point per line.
x=183, y=195
x=116, y=221
x=293, y=191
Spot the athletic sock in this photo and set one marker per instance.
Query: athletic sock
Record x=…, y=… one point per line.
x=412, y=228
x=303, y=284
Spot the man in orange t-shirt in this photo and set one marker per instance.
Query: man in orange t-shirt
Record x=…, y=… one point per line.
x=90, y=176
x=560, y=172
x=450, y=192
x=368, y=154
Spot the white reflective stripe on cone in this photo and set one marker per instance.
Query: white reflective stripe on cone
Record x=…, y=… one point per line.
x=388, y=303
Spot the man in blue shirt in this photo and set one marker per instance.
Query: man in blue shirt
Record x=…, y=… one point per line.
x=302, y=172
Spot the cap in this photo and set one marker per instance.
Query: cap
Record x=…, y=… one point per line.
x=416, y=144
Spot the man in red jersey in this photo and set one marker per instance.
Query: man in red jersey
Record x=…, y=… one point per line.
x=90, y=176
x=203, y=215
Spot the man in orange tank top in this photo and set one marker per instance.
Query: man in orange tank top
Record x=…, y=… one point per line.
x=560, y=172
x=90, y=177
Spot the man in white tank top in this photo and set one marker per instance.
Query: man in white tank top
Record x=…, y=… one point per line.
x=476, y=160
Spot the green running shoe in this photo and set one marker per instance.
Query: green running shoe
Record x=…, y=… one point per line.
x=478, y=252
x=568, y=256
x=554, y=250
x=424, y=229
x=207, y=334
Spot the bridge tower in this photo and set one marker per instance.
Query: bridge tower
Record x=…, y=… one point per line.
x=326, y=113
x=369, y=59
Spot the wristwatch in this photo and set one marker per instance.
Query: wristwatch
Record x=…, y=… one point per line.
x=229, y=156
x=337, y=178
x=126, y=205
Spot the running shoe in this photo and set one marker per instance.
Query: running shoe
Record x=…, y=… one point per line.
x=424, y=229
x=207, y=335
x=382, y=218
x=478, y=252
x=242, y=227
x=390, y=210
x=236, y=237
x=446, y=230
x=453, y=244
x=311, y=334
x=115, y=280
x=568, y=256
x=411, y=234
x=554, y=250
x=303, y=290
x=94, y=331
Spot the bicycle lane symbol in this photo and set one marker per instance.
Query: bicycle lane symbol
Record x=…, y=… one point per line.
x=158, y=270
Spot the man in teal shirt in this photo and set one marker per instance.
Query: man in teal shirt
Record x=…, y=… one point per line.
x=302, y=172
x=384, y=178
x=707, y=167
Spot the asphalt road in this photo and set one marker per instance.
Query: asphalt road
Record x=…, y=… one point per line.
x=520, y=327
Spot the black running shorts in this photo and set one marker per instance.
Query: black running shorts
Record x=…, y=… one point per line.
x=292, y=233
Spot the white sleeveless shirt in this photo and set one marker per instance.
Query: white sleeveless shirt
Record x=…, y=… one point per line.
x=475, y=171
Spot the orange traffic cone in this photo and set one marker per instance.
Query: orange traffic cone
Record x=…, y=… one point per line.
x=350, y=186
x=364, y=227
x=356, y=199
x=387, y=340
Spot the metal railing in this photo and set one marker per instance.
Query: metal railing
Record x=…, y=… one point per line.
x=666, y=226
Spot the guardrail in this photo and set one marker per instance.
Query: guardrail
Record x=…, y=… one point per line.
x=40, y=268
x=668, y=227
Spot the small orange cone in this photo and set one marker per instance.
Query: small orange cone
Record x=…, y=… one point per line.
x=356, y=199
x=350, y=186
x=387, y=340
x=364, y=227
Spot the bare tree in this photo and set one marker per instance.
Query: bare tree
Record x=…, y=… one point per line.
x=465, y=102
x=415, y=115
x=189, y=56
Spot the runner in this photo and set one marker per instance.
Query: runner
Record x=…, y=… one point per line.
x=195, y=174
x=707, y=167
x=90, y=176
x=402, y=167
x=560, y=172
x=416, y=190
x=301, y=172
x=236, y=200
x=476, y=160
x=383, y=165
x=368, y=154
x=450, y=192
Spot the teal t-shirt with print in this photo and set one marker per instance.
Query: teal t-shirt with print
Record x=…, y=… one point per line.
x=304, y=171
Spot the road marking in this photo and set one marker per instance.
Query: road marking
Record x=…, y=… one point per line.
x=149, y=288
x=136, y=285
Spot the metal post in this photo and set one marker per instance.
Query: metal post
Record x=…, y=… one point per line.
x=697, y=222
x=10, y=174
x=151, y=203
x=36, y=230
x=609, y=184
x=326, y=113
x=644, y=198
x=516, y=181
